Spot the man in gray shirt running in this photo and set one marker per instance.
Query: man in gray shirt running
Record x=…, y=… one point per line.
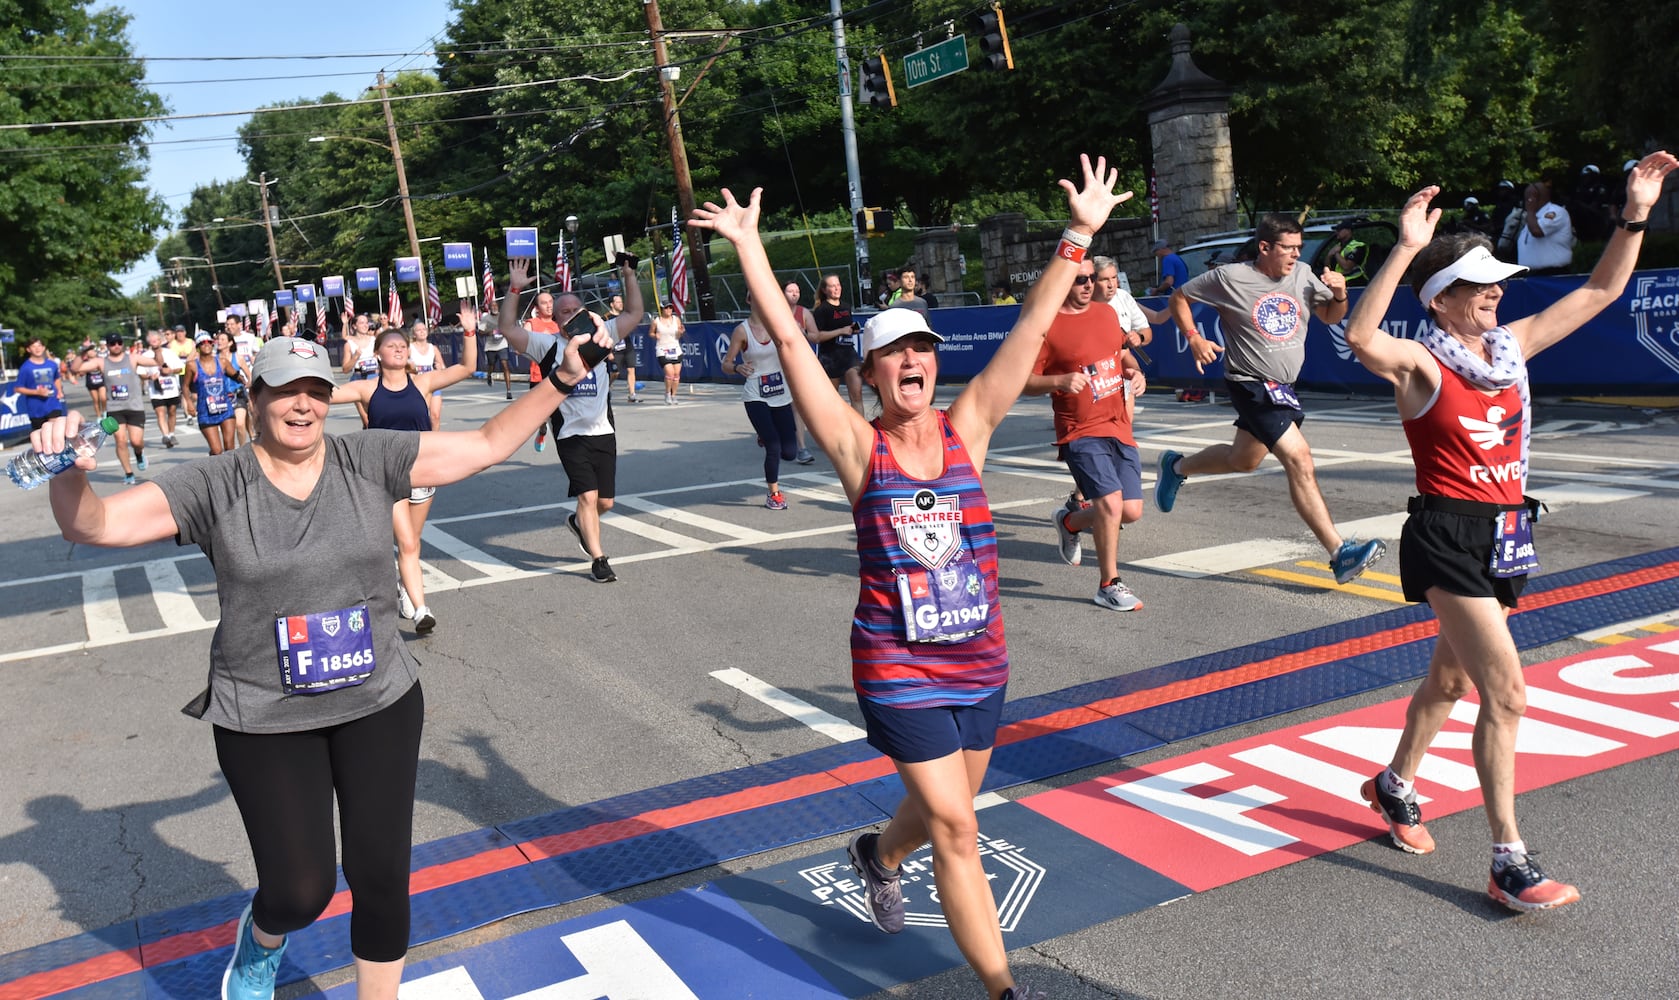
x=1262, y=308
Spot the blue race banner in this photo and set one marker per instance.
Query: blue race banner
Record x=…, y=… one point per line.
x=331, y=286
x=367, y=279
x=408, y=269
x=305, y=293
x=238, y=309
x=14, y=419
x=283, y=298
x=521, y=243
x=457, y=256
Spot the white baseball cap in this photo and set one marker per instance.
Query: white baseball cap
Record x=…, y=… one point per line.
x=892, y=325
x=1478, y=266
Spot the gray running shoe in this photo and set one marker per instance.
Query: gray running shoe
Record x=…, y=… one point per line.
x=1116, y=596
x=1072, y=551
x=883, y=888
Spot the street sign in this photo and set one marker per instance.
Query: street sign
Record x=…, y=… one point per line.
x=936, y=61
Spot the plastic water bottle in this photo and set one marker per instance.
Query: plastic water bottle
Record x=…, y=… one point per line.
x=29, y=469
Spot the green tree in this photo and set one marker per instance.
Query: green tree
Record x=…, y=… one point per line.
x=73, y=205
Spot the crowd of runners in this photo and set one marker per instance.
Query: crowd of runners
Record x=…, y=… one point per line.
x=315, y=697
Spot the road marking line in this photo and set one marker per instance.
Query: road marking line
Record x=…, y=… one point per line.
x=100, y=607
x=1570, y=493
x=1607, y=631
x=1329, y=584
x=831, y=726
x=652, y=533
x=174, y=605
x=477, y=558
x=435, y=580
x=1216, y=560
x=1368, y=574
x=700, y=521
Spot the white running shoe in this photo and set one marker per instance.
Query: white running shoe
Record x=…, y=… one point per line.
x=404, y=606
x=1116, y=596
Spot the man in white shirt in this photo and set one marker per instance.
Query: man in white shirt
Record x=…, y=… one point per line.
x=1546, y=241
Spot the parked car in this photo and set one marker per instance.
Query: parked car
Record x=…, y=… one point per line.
x=1224, y=248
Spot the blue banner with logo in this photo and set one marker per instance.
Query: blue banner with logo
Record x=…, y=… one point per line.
x=305, y=293
x=367, y=279
x=332, y=285
x=521, y=243
x=14, y=418
x=457, y=256
x=408, y=269
x=283, y=298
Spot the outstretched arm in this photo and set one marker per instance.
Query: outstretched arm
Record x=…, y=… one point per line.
x=981, y=406
x=635, y=308
x=467, y=366
x=518, y=279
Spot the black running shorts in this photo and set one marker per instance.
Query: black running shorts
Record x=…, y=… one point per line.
x=591, y=463
x=1452, y=552
x=1258, y=415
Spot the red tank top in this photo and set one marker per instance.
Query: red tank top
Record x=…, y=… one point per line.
x=1467, y=444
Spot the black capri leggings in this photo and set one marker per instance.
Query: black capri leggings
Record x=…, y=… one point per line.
x=283, y=784
x=775, y=425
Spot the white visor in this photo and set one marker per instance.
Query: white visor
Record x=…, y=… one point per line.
x=1478, y=266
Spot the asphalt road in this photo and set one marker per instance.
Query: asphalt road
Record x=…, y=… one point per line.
x=545, y=689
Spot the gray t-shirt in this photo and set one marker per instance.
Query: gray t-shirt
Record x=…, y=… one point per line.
x=1263, y=318
x=276, y=556
x=124, y=387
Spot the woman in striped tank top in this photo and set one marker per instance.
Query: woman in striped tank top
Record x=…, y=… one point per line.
x=929, y=663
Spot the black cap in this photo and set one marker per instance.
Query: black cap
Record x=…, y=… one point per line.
x=113, y=338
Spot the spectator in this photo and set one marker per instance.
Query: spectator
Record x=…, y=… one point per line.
x=1545, y=242
x=1173, y=271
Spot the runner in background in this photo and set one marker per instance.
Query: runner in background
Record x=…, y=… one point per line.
x=359, y=361
x=38, y=383
x=423, y=356
x=165, y=386
x=668, y=329
x=1468, y=545
x=928, y=658
x=209, y=393
x=752, y=355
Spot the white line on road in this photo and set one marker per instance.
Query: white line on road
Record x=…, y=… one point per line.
x=831, y=726
x=174, y=605
x=735, y=531
x=477, y=558
x=100, y=606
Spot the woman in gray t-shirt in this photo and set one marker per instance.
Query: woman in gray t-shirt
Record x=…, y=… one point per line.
x=313, y=694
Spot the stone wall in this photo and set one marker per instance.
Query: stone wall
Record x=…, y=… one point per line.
x=1016, y=255
x=1195, y=174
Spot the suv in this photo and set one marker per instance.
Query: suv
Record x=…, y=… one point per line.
x=1223, y=248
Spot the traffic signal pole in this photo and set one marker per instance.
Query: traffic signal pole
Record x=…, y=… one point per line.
x=853, y=174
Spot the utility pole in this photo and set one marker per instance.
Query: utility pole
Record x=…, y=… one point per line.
x=679, y=162
x=401, y=175
x=853, y=174
x=210, y=258
x=262, y=183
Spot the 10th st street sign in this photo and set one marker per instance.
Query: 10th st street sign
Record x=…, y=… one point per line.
x=936, y=61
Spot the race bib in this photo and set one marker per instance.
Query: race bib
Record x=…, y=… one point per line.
x=324, y=651
x=166, y=386
x=1282, y=394
x=367, y=364
x=1513, y=553
x=944, y=605
x=673, y=351
x=589, y=388
x=771, y=384
x=1107, y=378
x=119, y=390
x=214, y=389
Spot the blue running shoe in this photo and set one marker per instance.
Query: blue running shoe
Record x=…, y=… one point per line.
x=1354, y=557
x=250, y=972
x=1166, y=487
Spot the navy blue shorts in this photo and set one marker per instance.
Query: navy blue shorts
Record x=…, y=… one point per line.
x=1104, y=465
x=1260, y=415
x=913, y=735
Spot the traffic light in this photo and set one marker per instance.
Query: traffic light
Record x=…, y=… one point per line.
x=993, y=39
x=877, y=83
x=873, y=221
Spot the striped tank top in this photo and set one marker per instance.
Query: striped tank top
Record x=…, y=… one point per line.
x=919, y=531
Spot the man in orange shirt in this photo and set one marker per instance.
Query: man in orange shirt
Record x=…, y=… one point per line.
x=1090, y=375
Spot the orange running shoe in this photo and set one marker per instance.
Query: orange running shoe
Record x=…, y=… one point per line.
x=1403, y=817
x=1522, y=887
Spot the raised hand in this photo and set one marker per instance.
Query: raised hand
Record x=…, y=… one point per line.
x=1090, y=205
x=1416, y=220
x=730, y=220
x=1644, y=183
x=469, y=317
x=519, y=274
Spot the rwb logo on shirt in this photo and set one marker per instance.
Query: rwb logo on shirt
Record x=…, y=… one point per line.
x=1496, y=430
x=929, y=527
x=1277, y=315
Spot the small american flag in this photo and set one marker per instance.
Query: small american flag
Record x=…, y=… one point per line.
x=272, y=320
x=678, y=266
x=562, y=268
x=349, y=301
x=489, y=283
x=393, y=306
x=320, y=318
x=434, y=302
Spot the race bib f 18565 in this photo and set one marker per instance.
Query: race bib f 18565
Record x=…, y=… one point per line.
x=325, y=650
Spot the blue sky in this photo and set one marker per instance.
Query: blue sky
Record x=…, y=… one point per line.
x=384, y=34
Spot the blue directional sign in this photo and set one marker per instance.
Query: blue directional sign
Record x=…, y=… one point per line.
x=333, y=285
x=8, y=336
x=283, y=298
x=367, y=279
x=408, y=269
x=305, y=293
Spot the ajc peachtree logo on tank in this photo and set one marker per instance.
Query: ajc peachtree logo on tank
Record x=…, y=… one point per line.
x=1654, y=307
x=929, y=527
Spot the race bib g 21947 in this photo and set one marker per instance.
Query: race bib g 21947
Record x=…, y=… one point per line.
x=325, y=650
x=946, y=604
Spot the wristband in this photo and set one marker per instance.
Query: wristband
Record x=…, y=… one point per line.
x=1079, y=240
x=554, y=380
x=1068, y=250
x=468, y=333
x=1632, y=227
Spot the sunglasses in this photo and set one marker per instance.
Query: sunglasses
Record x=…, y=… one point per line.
x=1084, y=279
x=1477, y=287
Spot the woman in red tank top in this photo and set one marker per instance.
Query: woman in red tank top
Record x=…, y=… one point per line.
x=1468, y=545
